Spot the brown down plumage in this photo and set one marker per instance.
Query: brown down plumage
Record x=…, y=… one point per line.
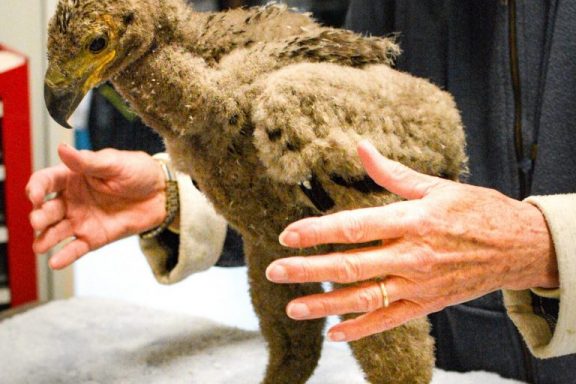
x=264, y=109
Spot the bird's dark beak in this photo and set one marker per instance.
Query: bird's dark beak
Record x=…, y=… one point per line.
x=61, y=96
x=61, y=103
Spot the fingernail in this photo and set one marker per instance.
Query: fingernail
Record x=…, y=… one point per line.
x=53, y=263
x=298, y=311
x=289, y=239
x=277, y=273
x=336, y=336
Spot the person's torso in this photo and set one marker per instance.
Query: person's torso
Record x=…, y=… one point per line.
x=511, y=67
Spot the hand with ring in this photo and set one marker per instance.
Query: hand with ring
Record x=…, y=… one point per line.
x=385, y=298
x=447, y=243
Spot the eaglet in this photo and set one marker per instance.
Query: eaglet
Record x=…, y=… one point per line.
x=264, y=109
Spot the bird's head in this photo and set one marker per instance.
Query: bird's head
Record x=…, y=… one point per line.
x=89, y=41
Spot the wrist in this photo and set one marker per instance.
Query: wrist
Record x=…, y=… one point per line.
x=161, y=175
x=547, y=273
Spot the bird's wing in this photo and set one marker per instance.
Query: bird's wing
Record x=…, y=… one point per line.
x=338, y=46
x=290, y=37
x=310, y=118
x=222, y=32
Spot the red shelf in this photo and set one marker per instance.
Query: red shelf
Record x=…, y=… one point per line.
x=14, y=94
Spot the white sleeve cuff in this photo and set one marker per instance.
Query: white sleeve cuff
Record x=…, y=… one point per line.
x=202, y=234
x=560, y=214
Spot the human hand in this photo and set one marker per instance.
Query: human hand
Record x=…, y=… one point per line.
x=446, y=244
x=100, y=197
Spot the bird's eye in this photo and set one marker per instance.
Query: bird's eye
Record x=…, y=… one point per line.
x=98, y=44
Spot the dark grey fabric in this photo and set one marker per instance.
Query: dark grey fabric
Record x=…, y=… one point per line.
x=232, y=252
x=464, y=47
x=108, y=128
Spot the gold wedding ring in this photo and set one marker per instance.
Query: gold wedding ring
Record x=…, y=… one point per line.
x=385, y=299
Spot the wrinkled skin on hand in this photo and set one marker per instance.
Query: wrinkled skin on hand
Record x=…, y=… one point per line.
x=92, y=199
x=446, y=244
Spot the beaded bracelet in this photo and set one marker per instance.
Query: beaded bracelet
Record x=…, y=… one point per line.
x=172, y=203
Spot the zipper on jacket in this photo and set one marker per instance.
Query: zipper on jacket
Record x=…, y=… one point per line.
x=524, y=164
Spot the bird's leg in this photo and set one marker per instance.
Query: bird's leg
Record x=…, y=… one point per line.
x=402, y=355
x=294, y=346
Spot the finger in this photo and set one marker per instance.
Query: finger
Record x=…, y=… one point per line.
x=354, y=226
x=97, y=164
x=362, y=298
x=341, y=267
x=69, y=254
x=377, y=321
x=52, y=236
x=48, y=214
x=45, y=182
x=395, y=177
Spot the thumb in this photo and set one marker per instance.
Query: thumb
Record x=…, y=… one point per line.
x=90, y=163
x=395, y=177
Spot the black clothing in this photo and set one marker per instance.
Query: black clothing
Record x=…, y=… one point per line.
x=511, y=66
